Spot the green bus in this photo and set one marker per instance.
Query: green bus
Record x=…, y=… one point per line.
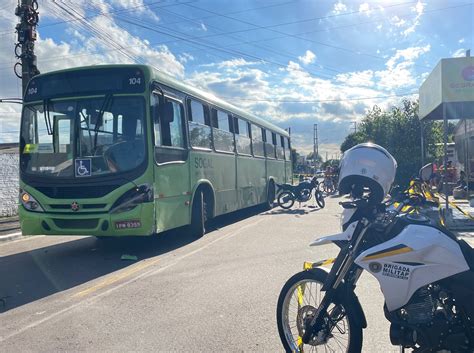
x=119, y=150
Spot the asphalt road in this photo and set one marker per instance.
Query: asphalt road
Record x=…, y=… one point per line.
x=216, y=294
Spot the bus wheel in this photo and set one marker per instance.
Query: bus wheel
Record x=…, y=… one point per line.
x=270, y=196
x=198, y=215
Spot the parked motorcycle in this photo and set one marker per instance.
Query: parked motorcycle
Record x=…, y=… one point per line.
x=302, y=192
x=425, y=273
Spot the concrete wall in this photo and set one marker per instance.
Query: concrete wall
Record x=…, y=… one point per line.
x=9, y=183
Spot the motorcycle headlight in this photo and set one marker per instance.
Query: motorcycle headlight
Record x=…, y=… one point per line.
x=132, y=198
x=29, y=202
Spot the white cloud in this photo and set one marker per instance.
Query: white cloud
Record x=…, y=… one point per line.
x=409, y=55
x=308, y=57
x=462, y=40
x=126, y=4
x=135, y=6
x=397, y=21
x=419, y=10
x=399, y=71
x=230, y=64
x=459, y=53
x=85, y=49
x=339, y=7
x=185, y=57
x=203, y=27
x=359, y=78
x=365, y=8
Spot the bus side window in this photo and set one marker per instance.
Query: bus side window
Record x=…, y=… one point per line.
x=269, y=147
x=171, y=122
x=223, y=136
x=280, y=147
x=168, y=122
x=275, y=145
x=287, y=148
x=199, y=125
x=257, y=141
x=242, y=137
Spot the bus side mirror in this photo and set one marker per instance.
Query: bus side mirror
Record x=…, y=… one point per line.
x=166, y=112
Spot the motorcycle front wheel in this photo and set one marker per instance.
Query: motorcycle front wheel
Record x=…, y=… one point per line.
x=298, y=301
x=286, y=200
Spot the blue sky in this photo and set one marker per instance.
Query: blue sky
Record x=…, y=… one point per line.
x=294, y=63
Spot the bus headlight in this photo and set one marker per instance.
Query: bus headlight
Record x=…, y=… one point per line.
x=29, y=202
x=132, y=198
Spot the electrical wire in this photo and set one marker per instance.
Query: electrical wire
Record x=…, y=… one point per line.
x=407, y=94
x=255, y=41
x=104, y=37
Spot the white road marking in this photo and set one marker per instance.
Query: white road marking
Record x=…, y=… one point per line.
x=148, y=273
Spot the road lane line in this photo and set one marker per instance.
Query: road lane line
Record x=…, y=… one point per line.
x=20, y=239
x=117, y=277
x=151, y=272
x=9, y=235
x=144, y=264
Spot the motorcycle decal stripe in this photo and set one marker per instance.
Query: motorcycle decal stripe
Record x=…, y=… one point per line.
x=394, y=250
x=311, y=265
x=409, y=263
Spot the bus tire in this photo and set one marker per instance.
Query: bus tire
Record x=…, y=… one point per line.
x=198, y=215
x=270, y=195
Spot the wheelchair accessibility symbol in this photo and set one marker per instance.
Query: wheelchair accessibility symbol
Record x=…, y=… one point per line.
x=83, y=167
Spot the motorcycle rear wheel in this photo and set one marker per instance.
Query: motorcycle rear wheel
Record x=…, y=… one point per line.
x=286, y=200
x=300, y=297
x=320, y=199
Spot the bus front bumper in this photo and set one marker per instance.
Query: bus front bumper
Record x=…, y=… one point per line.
x=138, y=221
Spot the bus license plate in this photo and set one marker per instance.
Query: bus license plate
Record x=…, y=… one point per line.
x=134, y=223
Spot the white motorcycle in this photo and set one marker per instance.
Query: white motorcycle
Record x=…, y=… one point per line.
x=425, y=273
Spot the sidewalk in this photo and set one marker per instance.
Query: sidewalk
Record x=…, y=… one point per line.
x=460, y=219
x=9, y=228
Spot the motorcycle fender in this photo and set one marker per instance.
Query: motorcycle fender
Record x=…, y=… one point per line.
x=359, y=313
x=344, y=236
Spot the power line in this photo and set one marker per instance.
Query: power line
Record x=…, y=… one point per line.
x=105, y=37
x=266, y=47
x=267, y=28
x=246, y=42
x=130, y=9
x=220, y=49
x=407, y=94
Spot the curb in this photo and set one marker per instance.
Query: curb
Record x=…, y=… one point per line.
x=10, y=237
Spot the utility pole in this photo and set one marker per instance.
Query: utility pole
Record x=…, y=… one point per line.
x=355, y=126
x=25, y=69
x=315, y=145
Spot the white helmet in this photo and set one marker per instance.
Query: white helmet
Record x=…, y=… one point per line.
x=367, y=165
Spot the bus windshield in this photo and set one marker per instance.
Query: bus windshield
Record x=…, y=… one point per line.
x=83, y=137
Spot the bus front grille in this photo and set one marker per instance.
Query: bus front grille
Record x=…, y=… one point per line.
x=76, y=223
x=76, y=192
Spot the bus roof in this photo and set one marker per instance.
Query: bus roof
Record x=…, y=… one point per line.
x=168, y=80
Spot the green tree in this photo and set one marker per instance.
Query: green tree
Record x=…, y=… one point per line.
x=399, y=131
x=330, y=162
x=294, y=158
x=310, y=157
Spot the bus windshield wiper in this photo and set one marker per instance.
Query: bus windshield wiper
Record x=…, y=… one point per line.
x=98, y=123
x=47, y=119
